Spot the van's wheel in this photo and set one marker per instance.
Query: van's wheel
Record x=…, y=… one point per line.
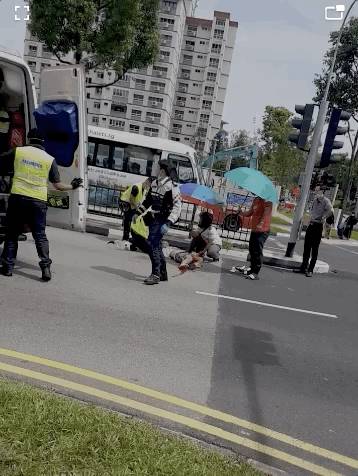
x=232, y=223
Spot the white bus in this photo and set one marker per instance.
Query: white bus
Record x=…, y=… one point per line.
x=118, y=159
x=58, y=84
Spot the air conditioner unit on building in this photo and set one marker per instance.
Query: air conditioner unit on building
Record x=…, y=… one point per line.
x=186, y=75
x=157, y=88
x=155, y=103
x=151, y=119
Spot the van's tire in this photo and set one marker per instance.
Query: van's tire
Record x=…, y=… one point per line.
x=232, y=222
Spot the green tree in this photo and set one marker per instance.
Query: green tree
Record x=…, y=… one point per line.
x=343, y=90
x=278, y=159
x=240, y=138
x=103, y=34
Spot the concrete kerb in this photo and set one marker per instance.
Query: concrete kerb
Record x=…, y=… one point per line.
x=238, y=252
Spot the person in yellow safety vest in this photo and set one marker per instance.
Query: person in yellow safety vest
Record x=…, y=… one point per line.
x=31, y=168
x=133, y=197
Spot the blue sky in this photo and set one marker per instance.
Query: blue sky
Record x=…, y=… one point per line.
x=280, y=46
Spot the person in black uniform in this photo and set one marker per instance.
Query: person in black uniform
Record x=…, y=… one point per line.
x=165, y=202
x=31, y=168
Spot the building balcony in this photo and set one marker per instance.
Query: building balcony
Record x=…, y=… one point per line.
x=189, y=47
x=151, y=134
x=160, y=74
x=177, y=130
x=119, y=100
x=168, y=10
x=165, y=42
x=166, y=26
x=182, y=89
x=181, y=103
x=155, y=104
x=140, y=86
x=138, y=102
x=153, y=120
x=185, y=75
x=157, y=89
x=164, y=59
x=191, y=33
x=179, y=117
x=188, y=61
x=117, y=128
x=118, y=113
x=125, y=83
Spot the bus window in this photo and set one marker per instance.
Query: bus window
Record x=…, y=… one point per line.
x=118, y=158
x=183, y=167
x=102, y=159
x=139, y=160
x=91, y=153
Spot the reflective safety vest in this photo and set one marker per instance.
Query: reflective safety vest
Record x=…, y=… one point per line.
x=4, y=122
x=133, y=201
x=31, y=171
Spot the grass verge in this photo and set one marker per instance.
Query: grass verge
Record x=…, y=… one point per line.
x=44, y=434
x=279, y=221
x=277, y=229
x=353, y=237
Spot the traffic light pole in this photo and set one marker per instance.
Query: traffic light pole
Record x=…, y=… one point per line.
x=311, y=159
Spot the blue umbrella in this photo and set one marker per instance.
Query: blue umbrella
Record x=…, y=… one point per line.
x=200, y=195
x=253, y=181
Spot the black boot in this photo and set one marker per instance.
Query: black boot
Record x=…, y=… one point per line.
x=46, y=274
x=6, y=271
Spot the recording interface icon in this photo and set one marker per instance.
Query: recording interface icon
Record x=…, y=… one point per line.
x=335, y=13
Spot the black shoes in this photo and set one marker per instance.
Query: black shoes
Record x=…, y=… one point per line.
x=164, y=275
x=46, y=274
x=151, y=280
x=5, y=271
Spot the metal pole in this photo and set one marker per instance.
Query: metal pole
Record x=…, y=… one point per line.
x=311, y=159
x=212, y=163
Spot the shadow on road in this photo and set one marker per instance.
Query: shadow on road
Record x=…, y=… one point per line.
x=119, y=272
x=240, y=355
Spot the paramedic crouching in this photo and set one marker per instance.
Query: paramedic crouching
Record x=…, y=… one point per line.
x=31, y=168
x=164, y=201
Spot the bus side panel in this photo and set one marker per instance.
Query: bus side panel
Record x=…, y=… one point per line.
x=68, y=83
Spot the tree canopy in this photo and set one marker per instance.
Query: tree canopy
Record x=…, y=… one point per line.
x=278, y=159
x=103, y=34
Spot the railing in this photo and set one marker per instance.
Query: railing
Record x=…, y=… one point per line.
x=191, y=33
x=106, y=201
x=138, y=102
x=189, y=47
x=119, y=99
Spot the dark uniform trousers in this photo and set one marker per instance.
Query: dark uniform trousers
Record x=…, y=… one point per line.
x=24, y=211
x=156, y=255
x=256, y=247
x=312, y=241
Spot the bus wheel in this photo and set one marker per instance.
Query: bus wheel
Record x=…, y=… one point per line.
x=232, y=223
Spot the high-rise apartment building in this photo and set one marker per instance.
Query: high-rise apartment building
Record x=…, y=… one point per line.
x=181, y=96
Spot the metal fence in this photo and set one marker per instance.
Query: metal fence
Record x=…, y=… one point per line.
x=105, y=201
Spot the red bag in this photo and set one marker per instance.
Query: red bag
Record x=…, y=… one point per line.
x=17, y=133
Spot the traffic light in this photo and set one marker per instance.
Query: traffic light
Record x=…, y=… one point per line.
x=303, y=125
x=334, y=129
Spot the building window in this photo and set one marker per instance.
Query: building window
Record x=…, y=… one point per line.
x=191, y=112
x=149, y=131
x=195, y=85
x=106, y=103
x=220, y=22
x=33, y=50
x=190, y=45
x=140, y=83
x=204, y=118
x=193, y=98
x=116, y=123
x=95, y=119
x=209, y=91
x=138, y=99
x=205, y=28
x=104, y=119
x=160, y=71
x=45, y=65
x=123, y=93
x=200, y=57
x=203, y=42
x=211, y=77
x=155, y=102
x=164, y=55
x=134, y=128
x=97, y=105
x=166, y=22
x=207, y=104
x=219, y=34
x=216, y=48
x=88, y=80
x=214, y=62
x=100, y=75
x=136, y=114
x=185, y=73
x=153, y=117
x=98, y=90
x=88, y=96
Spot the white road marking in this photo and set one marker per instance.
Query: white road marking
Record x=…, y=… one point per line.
x=266, y=304
x=348, y=251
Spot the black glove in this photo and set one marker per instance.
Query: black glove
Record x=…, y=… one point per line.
x=76, y=182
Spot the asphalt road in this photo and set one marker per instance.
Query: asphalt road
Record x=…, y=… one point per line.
x=293, y=369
